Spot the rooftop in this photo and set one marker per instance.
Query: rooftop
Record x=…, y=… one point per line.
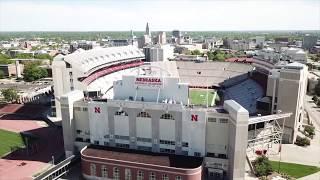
x=89, y=59
x=137, y=156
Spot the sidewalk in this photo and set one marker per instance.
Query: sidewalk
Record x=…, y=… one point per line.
x=315, y=176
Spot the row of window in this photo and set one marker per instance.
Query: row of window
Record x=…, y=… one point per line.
x=80, y=109
x=127, y=174
x=126, y=146
x=216, y=155
x=210, y=119
x=121, y=137
x=141, y=139
x=170, y=151
x=167, y=142
x=85, y=132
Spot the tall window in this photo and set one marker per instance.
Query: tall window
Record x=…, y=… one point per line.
x=178, y=178
x=140, y=175
x=116, y=173
x=144, y=114
x=93, y=169
x=152, y=176
x=104, y=171
x=165, y=177
x=127, y=173
x=167, y=116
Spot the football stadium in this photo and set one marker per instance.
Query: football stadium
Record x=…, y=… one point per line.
x=132, y=119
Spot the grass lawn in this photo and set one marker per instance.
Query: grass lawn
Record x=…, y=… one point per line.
x=9, y=139
x=294, y=170
x=199, y=97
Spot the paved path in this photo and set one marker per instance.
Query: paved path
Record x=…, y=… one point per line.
x=315, y=176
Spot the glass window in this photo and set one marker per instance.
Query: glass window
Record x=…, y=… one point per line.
x=140, y=175
x=152, y=176
x=211, y=119
x=104, y=171
x=127, y=173
x=197, y=154
x=178, y=178
x=121, y=113
x=165, y=177
x=116, y=173
x=144, y=114
x=93, y=169
x=167, y=116
x=223, y=120
x=185, y=144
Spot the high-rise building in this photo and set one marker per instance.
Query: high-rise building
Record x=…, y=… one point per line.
x=158, y=53
x=161, y=38
x=176, y=33
x=309, y=41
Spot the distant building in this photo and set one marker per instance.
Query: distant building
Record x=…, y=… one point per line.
x=309, y=41
x=183, y=57
x=83, y=44
x=118, y=42
x=239, y=45
x=281, y=39
x=12, y=69
x=158, y=53
x=146, y=39
x=295, y=55
x=161, y=38
x=258, y=41
x=176, y=34
x=210, y=43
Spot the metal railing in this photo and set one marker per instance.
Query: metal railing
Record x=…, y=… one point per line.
x=58, y=170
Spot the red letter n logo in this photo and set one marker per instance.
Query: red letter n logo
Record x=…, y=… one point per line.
x=96, y=109
x=194, y=117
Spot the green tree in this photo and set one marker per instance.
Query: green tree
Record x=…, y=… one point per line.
x=33, y=72
x=43, y=56
x=262, y=166
x=9, y=94
x=195, y=52
x=5, y=59
x=24, y=56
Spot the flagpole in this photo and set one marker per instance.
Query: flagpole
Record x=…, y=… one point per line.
x=207, y=91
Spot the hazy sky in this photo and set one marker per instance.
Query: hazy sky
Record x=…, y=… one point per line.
x=107, y=15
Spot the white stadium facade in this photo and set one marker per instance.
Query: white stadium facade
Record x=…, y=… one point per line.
x=131, y=119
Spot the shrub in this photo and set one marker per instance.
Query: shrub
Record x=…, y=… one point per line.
x=309, y=130
x=262, y=166
x=315, y=99
x=302, y=141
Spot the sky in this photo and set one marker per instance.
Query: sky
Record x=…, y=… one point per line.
x=165, y=15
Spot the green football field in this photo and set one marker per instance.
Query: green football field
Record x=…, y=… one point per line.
x=199, y=96
x=8, y=140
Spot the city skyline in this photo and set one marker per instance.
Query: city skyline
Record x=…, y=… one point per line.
x=125, y=15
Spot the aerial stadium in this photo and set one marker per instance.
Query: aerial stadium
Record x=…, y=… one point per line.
x=132, y=119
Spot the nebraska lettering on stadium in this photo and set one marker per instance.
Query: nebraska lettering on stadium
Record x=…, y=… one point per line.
x=148, y=81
